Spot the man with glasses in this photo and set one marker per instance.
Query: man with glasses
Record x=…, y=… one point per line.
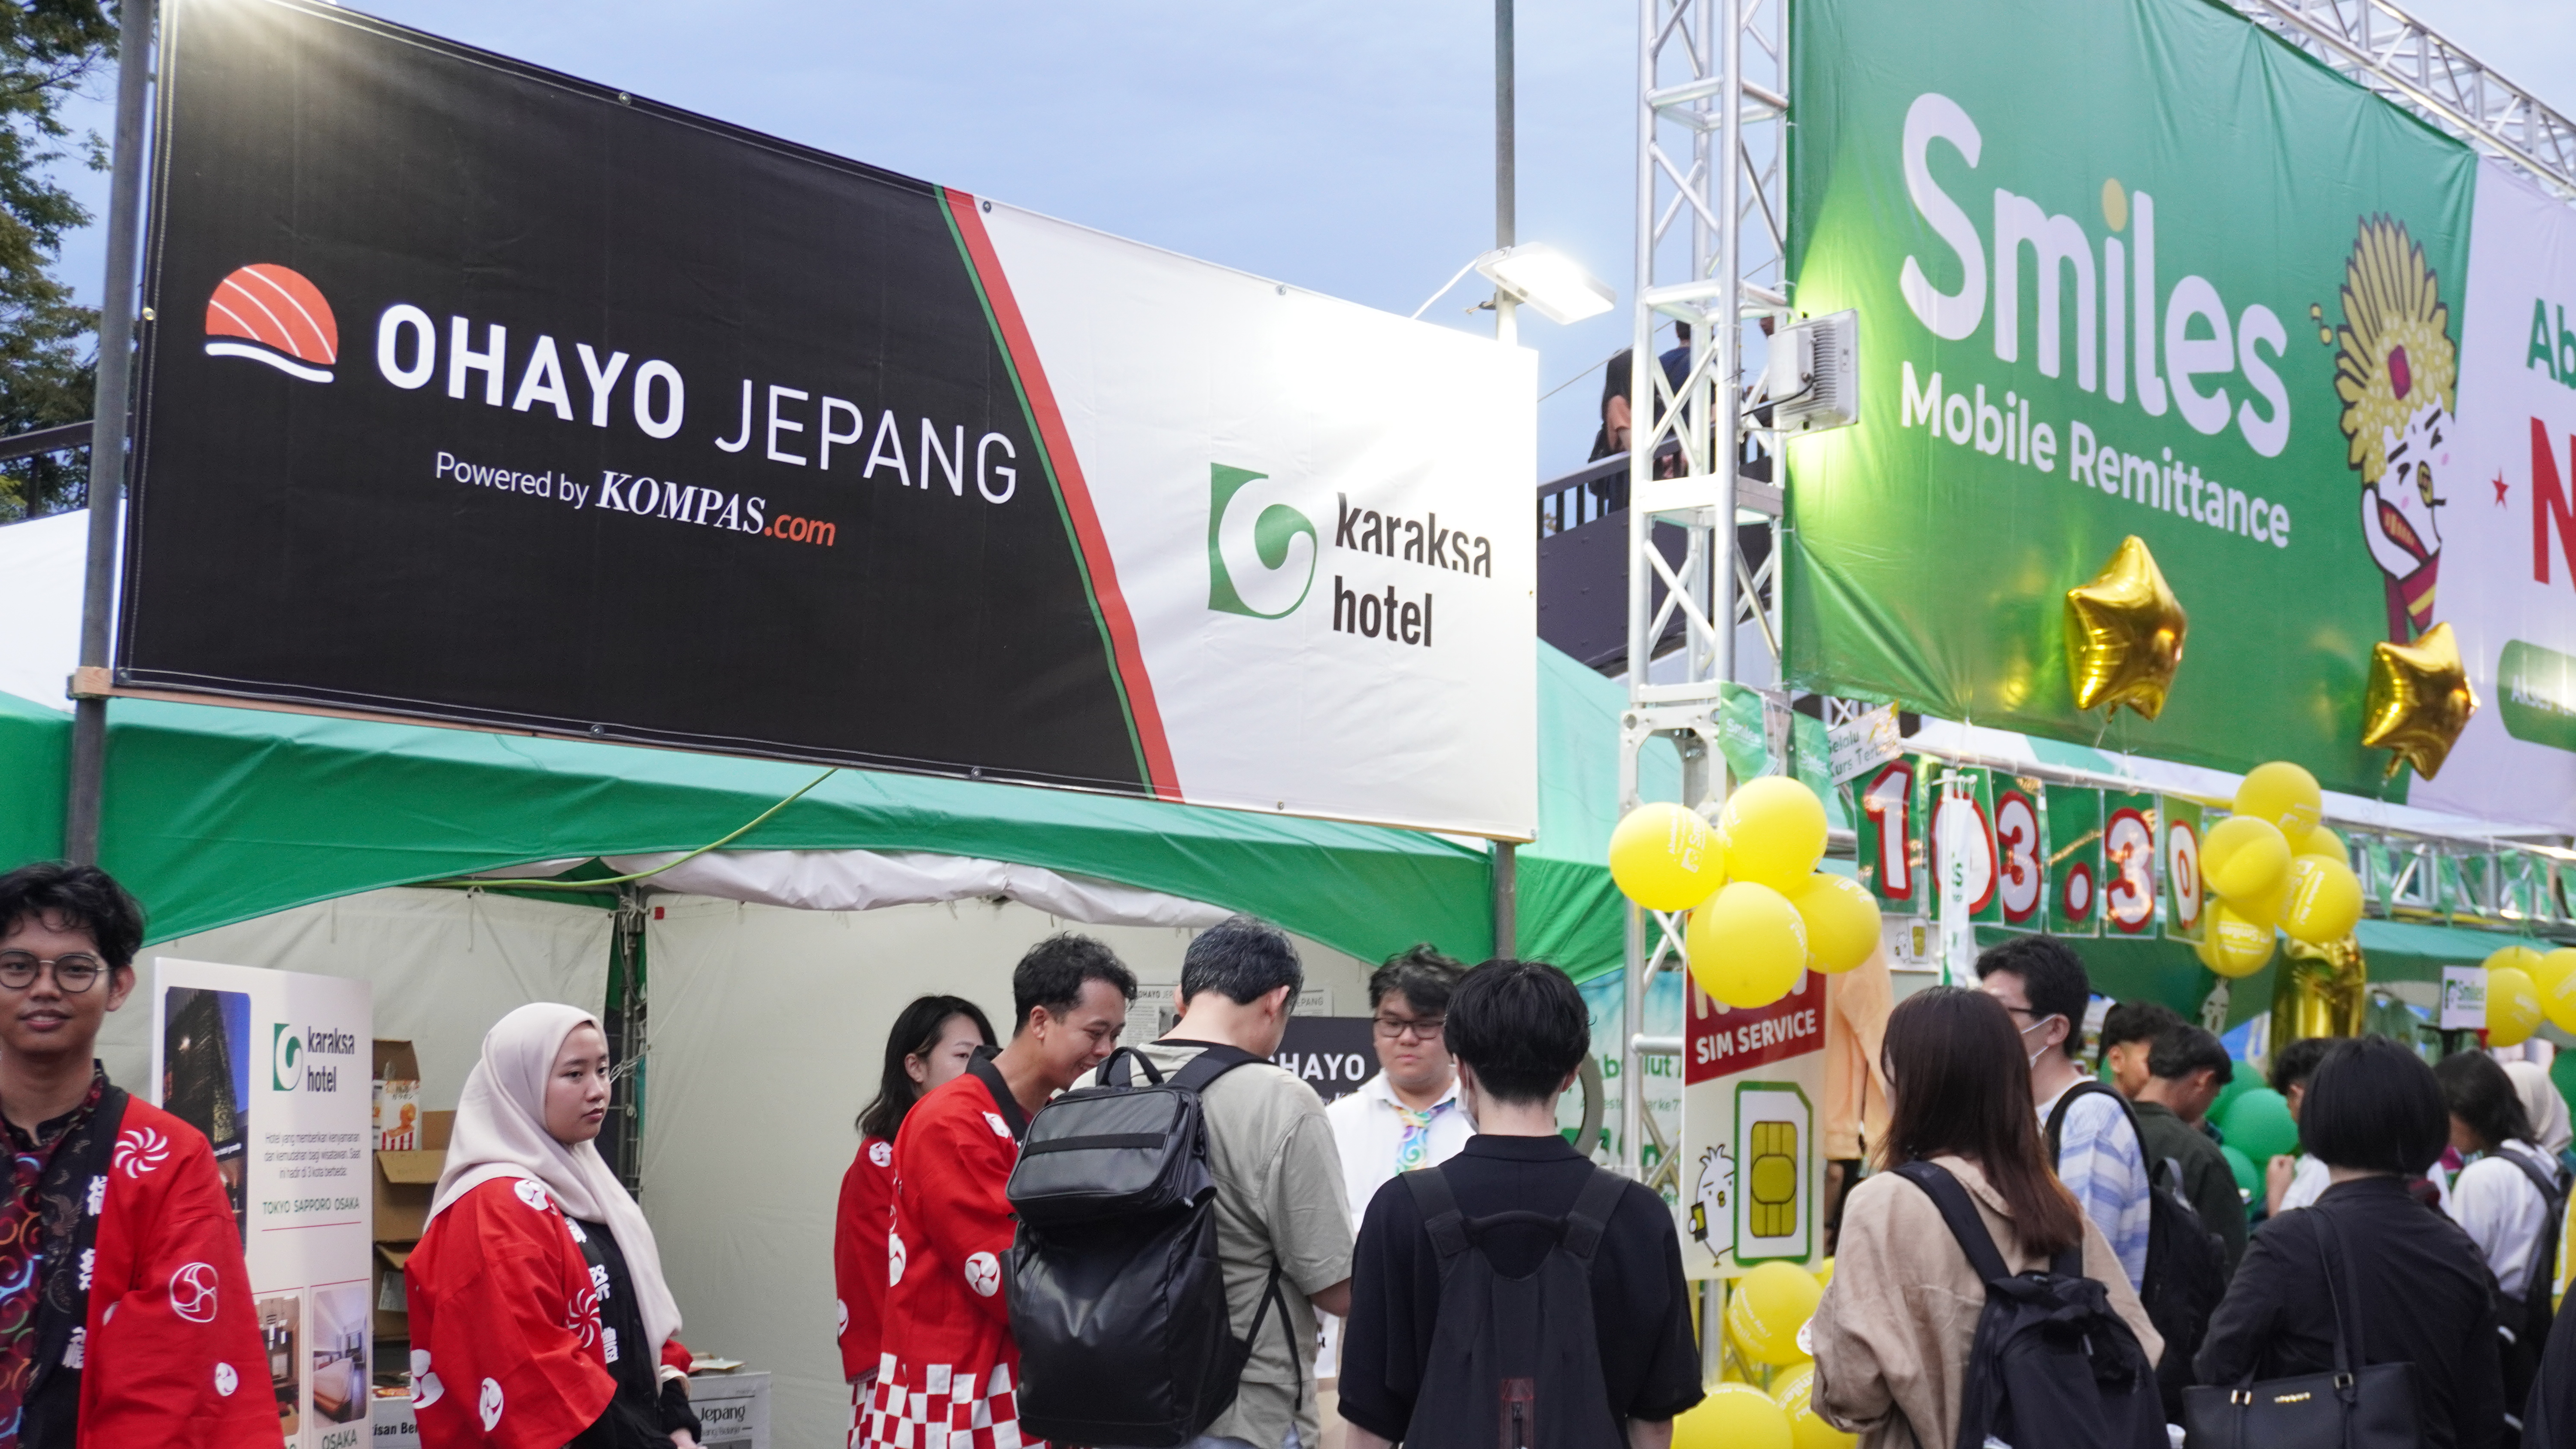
x=1408, y=1115
x=125, y=1308
x=2087, y=1127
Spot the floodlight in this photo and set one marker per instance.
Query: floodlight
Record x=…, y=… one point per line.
x=1540, y=276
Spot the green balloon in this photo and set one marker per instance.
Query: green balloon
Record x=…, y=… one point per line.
x=2249, y=1178
x=2258, y=1123
x=2245, y=1080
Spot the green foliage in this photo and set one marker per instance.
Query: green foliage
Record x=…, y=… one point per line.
x=48, y=351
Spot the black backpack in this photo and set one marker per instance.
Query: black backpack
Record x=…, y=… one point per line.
x=2525, y=1321
x=1117, y=1296
x=2052, y=1367
x=2186, y=1262
x=1515, y=1362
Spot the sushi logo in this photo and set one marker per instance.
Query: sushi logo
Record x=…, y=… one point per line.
x=287, y=1054
x=272, y=314
x=1261, y=552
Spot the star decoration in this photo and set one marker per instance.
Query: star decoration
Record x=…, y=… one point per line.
x=2124, y=633
x=2419, y=700
x=2501, y=489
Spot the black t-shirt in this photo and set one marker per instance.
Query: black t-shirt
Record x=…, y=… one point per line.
x=644, y=1412
x=1640, y=1303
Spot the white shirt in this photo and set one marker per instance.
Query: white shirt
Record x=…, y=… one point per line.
x=2503, y=1213
x=1368, y=1127
x=2310, y=1183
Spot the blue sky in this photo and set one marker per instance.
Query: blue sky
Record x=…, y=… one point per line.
x=1342, y=145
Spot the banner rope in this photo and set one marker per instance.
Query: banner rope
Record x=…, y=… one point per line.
x=505, y=883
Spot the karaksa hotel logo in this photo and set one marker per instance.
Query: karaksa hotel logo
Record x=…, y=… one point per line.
x=273, y=315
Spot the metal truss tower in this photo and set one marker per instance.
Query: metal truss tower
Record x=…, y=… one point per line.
x=1712, y=215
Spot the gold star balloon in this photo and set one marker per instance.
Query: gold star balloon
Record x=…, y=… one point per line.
x=2124, y=634
x=2419, y=700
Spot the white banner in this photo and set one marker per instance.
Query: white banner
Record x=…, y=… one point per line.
x=2506, y=514
x=1320, y=516
x=274, y=1067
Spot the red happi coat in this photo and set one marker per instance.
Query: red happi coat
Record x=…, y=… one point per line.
x=170, y=1351
x=506, y=1348
x=949, y=1372
x=859, y=1254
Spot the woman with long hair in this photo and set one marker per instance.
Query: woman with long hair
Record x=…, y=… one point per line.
x=932, y=1041
x=2374, y=1115
x=1893, y=1334
x=539, y=1317
x=2509, y=1200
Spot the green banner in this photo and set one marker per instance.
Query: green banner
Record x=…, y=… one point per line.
x=2074, y=860
x=1890, y=827
x=2129, y=850
x=1963, y=797
x=2128, y=268
x=2186, y=909
x=2021, y=853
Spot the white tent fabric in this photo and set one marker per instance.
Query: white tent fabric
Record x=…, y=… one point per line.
x=44, y=560
x=865, y=880
x=768, y=1030
x=445, y=965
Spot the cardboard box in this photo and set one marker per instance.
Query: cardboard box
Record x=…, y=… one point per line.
x=392, y=1310
x=733, y=1409
x=397, y=1080
x=406, y=1180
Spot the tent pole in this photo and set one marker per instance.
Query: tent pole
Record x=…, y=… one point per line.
x=1507, y=888
x=88, y=774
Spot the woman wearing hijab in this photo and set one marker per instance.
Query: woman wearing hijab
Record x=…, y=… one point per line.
x=932, y=1041
x=539, y=1316
x=2551, y=1130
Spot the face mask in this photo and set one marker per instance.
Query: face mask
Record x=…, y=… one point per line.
x=2043, y=1051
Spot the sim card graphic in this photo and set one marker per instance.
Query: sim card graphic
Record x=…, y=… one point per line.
x=1775, y=1172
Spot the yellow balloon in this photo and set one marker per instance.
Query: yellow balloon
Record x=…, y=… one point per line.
x=2324, y=903
x=2558, y=995
x=2243, y=857
x=1733, y=1416
x=2513, y=1007
x=2529, y=960
x=2235, y=944
x=1768, y=1307
x=1841, y=919
x=1794, y=1392
x=2324, y=842
x=1746, y=945
x=1773, y=832
x=2284, y=794
x=1665, y=858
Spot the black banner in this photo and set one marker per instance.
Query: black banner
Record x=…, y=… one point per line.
x=483, y=394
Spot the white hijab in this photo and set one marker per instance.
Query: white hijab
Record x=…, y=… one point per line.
x=501, y=1133
x=2541, y=1102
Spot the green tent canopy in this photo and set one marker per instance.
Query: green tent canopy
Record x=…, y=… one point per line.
x=215, y=815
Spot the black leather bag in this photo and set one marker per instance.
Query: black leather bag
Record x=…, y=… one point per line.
x=2372, y=1407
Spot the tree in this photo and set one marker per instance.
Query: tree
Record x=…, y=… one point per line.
x=48, y=343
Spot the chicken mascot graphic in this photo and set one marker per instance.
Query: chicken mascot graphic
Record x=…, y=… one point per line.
x=2397, y=370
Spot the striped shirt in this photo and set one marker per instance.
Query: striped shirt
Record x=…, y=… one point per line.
x=2101, y=1163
